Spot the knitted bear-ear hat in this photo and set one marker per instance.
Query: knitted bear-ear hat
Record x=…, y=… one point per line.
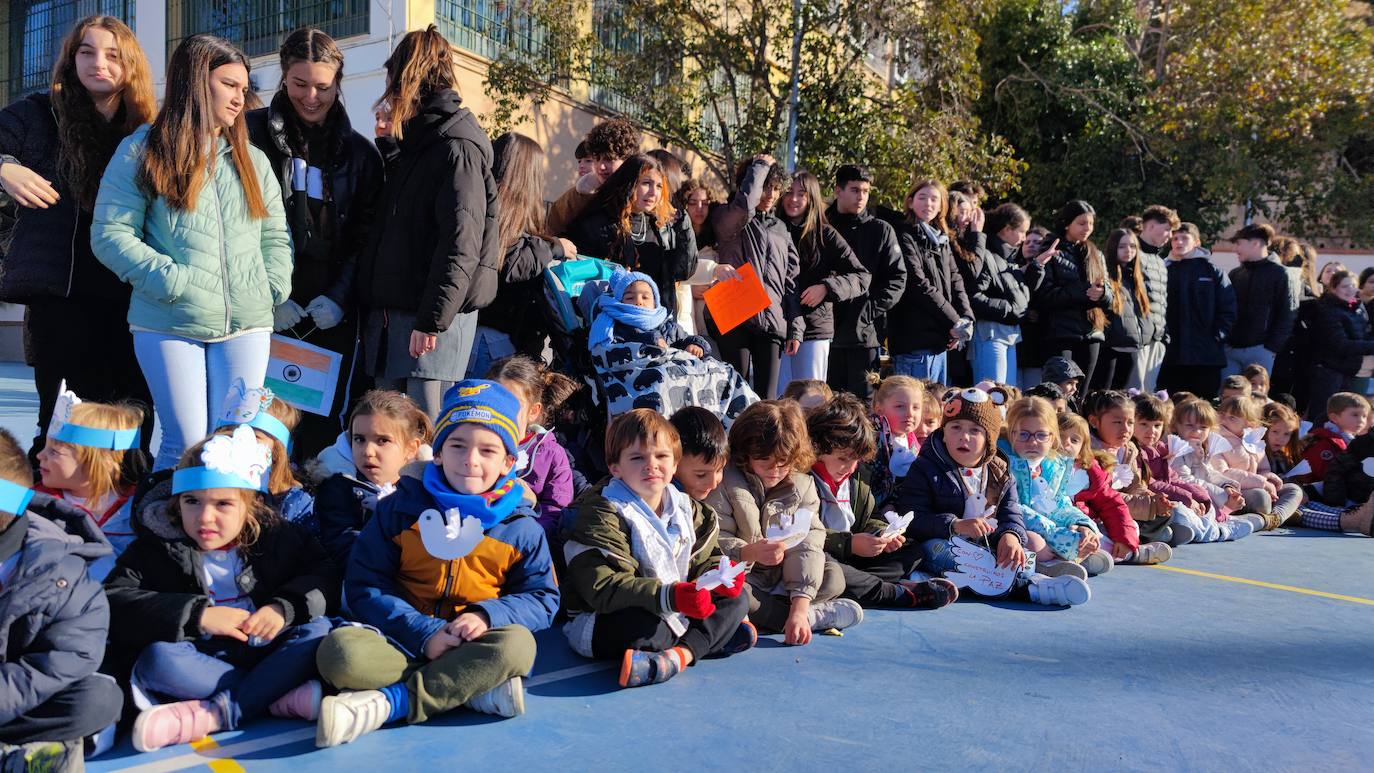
x=976, y=406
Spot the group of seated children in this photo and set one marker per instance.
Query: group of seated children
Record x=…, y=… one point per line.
x=411, y=583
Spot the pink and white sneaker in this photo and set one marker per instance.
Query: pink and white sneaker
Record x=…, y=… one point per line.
x=303, y=702
x=175, y=723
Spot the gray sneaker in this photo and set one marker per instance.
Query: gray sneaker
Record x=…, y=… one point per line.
x=838, y=614
x=504, y=700
x=1151, y=553
x=1098, y=562
x=1060, y=568
x=1183, y=533
x=1059, y=591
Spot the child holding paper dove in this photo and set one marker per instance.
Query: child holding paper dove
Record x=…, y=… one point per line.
x=873, y=551
x=1120, y=535
x=1265, y=493
x=959, y=487
x=898, y=405
x=452, y=575
x=647, y=583
x=1111, y=417
x=1202, y=463
x=769, y=514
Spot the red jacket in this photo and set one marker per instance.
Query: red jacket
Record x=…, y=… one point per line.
x=1326, y=445
x=1104, y=504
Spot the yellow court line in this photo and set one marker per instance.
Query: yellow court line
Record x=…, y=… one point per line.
x=218, y=765
x=1258, y=583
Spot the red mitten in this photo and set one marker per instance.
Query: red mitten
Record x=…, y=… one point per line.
x=692, y=602
x=732, y=590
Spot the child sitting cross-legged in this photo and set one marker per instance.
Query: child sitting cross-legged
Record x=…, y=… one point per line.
x=637, y=549
x=452, y=574
x=794, y=587
x=1153, y=418
x=876, y=567
x=958, y=486
x=1247, y=463
x=1111, y=415
x=54, y=625
x=1045, y=484
x=1202, y=463
x=1102, y=503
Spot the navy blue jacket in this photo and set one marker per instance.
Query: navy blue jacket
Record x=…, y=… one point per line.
x=932, y=490
x=53, y=616
x=1201, y=311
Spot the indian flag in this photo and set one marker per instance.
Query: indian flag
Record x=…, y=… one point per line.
x=302, y=374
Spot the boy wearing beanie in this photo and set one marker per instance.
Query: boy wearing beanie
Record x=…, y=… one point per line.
x=958, y=486
x=455, y=573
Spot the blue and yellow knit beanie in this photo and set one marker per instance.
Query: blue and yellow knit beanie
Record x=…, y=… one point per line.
x=485, y=403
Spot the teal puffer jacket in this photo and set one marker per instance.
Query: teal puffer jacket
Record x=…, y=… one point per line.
x=204, y=273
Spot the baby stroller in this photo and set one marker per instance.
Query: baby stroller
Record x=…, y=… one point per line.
x=581, y=423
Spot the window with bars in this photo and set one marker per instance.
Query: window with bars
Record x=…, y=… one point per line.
x=489, y=28
x=32, y=31
x=259, y=26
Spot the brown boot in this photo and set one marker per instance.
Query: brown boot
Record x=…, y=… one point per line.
x=1271, y=522
x=1360, y=519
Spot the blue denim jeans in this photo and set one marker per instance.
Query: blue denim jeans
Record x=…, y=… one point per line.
x=939, y=557
x=241, y=680
x=927, y=365
x=188, y=381
x=488, y=346
x=994, y=353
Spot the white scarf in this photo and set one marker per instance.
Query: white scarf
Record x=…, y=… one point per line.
x=662, y=544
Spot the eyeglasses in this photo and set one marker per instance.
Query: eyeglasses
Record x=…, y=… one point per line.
x=1039, y=437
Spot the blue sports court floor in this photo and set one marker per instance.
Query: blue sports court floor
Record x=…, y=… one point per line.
x=1256, y=655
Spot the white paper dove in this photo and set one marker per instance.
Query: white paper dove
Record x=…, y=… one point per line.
x=239, y=454
x=1253, y=440
x=724, y=574
x=896, y=524
x=1122, y=476
x=1216, y=444
x=976, y=506
x=1301, y=468
x=1078, y=480
x=978, y=570
x=62, y=411
x=790, y=529
x=899, y=462
x=450, y=535
x=1178, y=447
x=1368, y=466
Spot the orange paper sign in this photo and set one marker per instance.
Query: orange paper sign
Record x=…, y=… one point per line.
x=736, y=300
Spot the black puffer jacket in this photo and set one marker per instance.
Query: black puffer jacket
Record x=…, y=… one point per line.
x=1202, y=309
x=934, y=300
x=1156, y=287
x=325, y=262
x=433, y=249
x=1267, y=309
x=47, y=252
x=519, y=308
x=997, y=292
x=1339, y=334
x=862, y=322
x=833, y=265
x=745, y=235
x=1132, y=328
x=668, y=252
x=1062, y=299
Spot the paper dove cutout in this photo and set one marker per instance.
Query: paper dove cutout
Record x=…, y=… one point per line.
x=445, y=538
x=1253, y=440
x=976, y=506
x=1178, y=447
x=724, y=574
x=978, y=570
x=1301, y=468
x=899, y=462
x=1078, y=480
x=1216, y=444
x=1122, y=476
x=1368, y=466
x=62, y=411
x=242, y=404
x=239, y=454
x=896, y=524
x=790, y=529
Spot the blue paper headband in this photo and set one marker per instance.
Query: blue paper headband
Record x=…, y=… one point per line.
x=109, y=439
x=200, y=478
x=267, y=423
x=14, y=498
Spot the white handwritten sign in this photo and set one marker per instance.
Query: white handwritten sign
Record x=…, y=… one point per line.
x=978, y=570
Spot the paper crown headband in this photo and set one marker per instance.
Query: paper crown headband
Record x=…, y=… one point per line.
x=227, y=461
x=62, y=429
x=14, y=498
x=249, y=406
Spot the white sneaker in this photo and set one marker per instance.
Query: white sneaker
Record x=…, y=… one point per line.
x=346, y=716
x=1098, y=562
x=504, y=700
x=1235, y=528
x=1058, y=567
x=1059, y=591
x=838, y=614
x=1256, y=521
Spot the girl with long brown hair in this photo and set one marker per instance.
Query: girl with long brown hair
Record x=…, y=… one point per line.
x=433, y=257
x=54, y=146
x=1074, y=296
x=190, y=214
x=1129, y=323
x=330, y=176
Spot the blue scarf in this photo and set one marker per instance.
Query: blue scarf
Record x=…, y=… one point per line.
x=611, y=310
x=490, y=508
x=934, y=235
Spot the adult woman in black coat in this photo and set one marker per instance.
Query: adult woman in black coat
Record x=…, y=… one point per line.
x=1342, y=344
x=432, y=259
x=54, y=147
x=330, y=177
x=1130, y=325
x=1073, y=299
x=829, y=272
x=998, y=291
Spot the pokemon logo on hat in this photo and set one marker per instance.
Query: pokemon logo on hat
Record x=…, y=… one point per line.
x=481, y=402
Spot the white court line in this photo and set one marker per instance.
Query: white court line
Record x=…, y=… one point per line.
x=197, y=759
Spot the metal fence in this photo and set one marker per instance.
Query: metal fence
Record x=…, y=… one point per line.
x=32, y=32
x=259, y=26
x=490, y=27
